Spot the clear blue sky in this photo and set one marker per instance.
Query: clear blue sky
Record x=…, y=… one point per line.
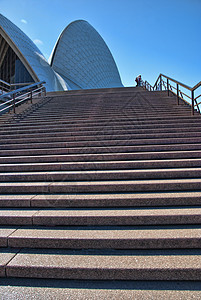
x=146, y=37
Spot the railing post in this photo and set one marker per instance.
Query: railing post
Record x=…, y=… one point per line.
x=168, y=87
x=31, y=96
x=161, y=83
x=44, y=88
x=192, y=105
x=14, y=103
x=177, y=94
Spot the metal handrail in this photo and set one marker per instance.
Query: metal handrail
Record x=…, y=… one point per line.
x=160, y=83
x=146, y=85
x=4, y=86
x=21, y=95
x=7, y=87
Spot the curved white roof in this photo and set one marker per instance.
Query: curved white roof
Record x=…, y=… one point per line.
x=80, y=59
x=83, y=59
x=30, y=55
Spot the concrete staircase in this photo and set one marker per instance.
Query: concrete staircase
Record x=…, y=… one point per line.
x=100, y=196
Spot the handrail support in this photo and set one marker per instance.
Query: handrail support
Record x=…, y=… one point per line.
x=14, y=103
x=177, y=93
x=168, y=87
x=31, y=96
x=160, y=82
x=192, y=105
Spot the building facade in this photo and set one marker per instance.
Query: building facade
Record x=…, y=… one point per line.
x=79, y=60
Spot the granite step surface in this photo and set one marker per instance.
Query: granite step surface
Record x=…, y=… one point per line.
x=105, y=265
x=97, y=290
x=101, y=238
x=98, y=217
x=138, y=150
x=102, y=143
x=137, y=157
x=82, y=128
x=187, y=198
x=94, y=122
x=162, y=185
x=127, y=122
x=99, y=135
x=106, y=130
x=100, y=175
x=99, y=165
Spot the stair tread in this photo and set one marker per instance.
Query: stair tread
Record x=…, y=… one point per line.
x=102, y=213
x=125, y=171
x=96, y=233
x=103, y=157
x=101, y=292
x=121, y=238
x=102, y=183
x=184, y=265
x=101, y=200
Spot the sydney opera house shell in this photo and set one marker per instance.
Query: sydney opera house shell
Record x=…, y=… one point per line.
x=79, y=60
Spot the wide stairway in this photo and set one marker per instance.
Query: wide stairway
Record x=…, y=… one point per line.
x=100, y=196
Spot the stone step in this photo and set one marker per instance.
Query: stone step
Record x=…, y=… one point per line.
x=191, y=184
x=113, y=121
x=104, y=150
x=103, y=143
x=103, y=290
x=71, y=128
x=98, y=238
x=68, y=108
x=139, y=138
x=100, y=117
x=103, y=115
x=90, y=131
x=105, y=127
x=80, y=134
x=91, y=122
x=162, y=156
x=112, y=186
x=102, y=200
x=101, y=217
x=105, y=265
x=97, y=175
x=101, y=165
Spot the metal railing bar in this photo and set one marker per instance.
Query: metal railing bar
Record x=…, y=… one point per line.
x=176, y=81
x=157, y=81
x=37, y=89
x=23, y=89
x=18, y=97
x=197, y=97
x=22, y=100
x=185, y=95
x=172, y=87
x=196, y=86
x=167, y=85
x=36, y=93
x=21, y=95
x=181, y=98
x=4, y=82
x=197, y=104
x=6, y=108
x=6, y=102
x=18, y=84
